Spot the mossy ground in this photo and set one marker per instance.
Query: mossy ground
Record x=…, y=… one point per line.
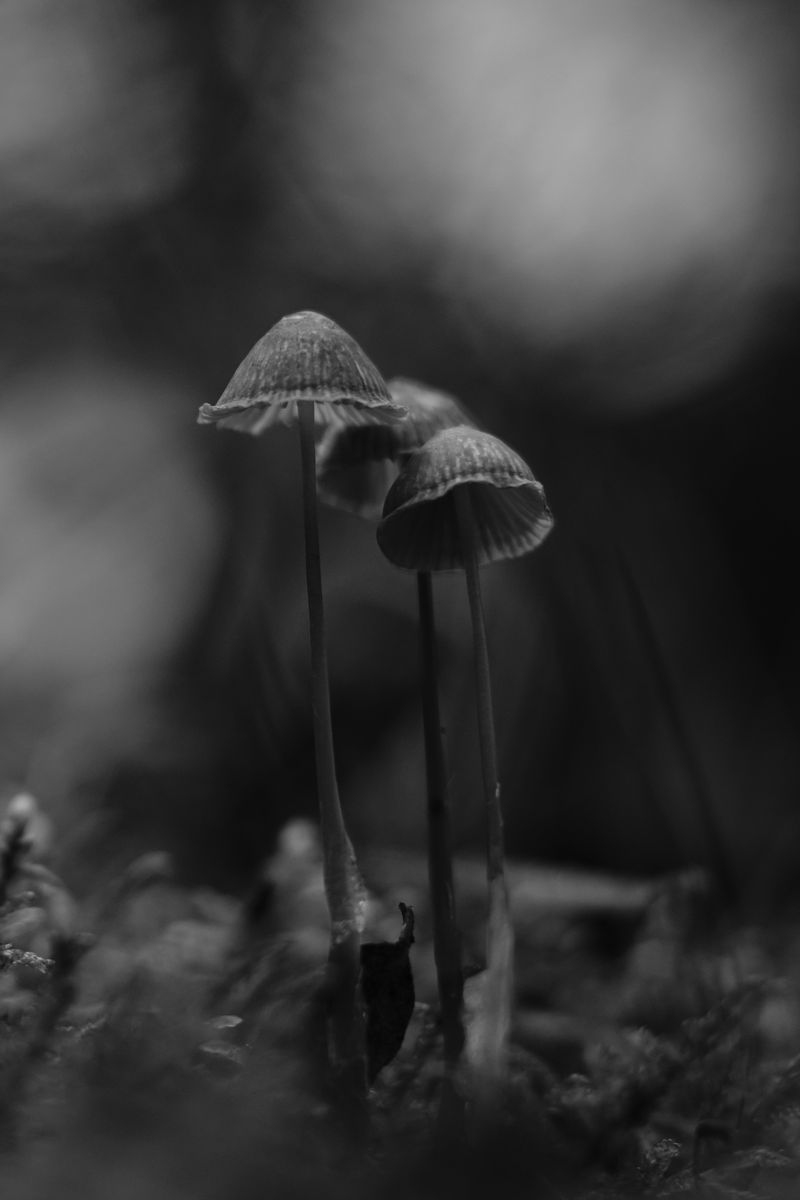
x=162, y=1040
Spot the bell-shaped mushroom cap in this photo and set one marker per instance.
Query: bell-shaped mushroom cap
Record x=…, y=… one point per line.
x=420, y=530
x=356, y=465
x=304, y=359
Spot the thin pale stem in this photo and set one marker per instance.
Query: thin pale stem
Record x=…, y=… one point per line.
x=446, y=940
x=499, y=936
x=342, y=883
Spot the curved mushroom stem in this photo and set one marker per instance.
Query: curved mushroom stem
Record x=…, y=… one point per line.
x=446, y=940
x=343, y=886
x=491, y=1036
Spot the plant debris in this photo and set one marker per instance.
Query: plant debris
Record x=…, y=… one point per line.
x=387, y=987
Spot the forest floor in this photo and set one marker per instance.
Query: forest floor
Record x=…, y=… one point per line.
x=158, y=1040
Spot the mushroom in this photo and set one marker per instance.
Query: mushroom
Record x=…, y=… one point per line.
x=355, y=468
x=356, y=465
x=463, y=500
x=307, y=370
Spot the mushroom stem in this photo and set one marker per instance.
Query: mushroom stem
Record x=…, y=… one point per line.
x=342, y=883
x=446, y=941
x=499, y=933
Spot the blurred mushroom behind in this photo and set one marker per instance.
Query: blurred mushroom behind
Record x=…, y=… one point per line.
x=463, y=500
x=355, y=467
x=304, y=371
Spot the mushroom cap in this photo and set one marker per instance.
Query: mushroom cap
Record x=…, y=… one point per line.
x=305, y=358
x=419, y=529
x=356, y=465
x=429, y=410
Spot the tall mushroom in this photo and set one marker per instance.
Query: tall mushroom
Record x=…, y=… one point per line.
x=462, y=500
x=355, y=468
x=304, y=371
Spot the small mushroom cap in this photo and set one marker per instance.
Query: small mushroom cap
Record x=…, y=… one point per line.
x=356, y=465
x=305, y=358
x=419, y=529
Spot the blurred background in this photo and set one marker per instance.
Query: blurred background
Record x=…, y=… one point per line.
x=581, y=219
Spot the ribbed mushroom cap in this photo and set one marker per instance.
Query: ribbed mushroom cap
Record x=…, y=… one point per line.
x=304, y=359
x=356, y=465
x=419, y=529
